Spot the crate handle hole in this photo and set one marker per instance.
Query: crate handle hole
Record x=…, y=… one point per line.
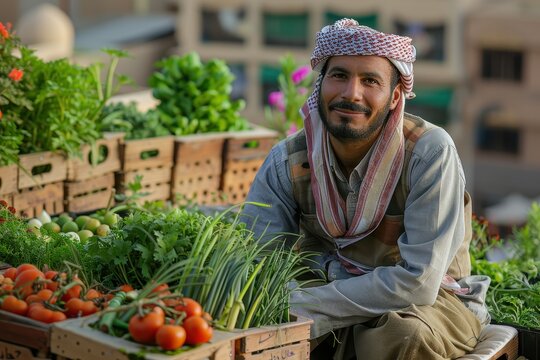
x=253, y=144
x=149, y=154
x=98, y=155
x=41, y=169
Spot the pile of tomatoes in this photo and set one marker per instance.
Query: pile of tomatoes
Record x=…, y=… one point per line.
x=164, y=319
x=48, y=296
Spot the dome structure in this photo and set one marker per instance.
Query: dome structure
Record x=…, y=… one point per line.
x=48, y=30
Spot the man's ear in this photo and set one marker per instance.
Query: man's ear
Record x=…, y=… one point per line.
x=396, y=96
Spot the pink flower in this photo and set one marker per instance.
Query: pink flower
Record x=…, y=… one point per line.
x=276, y=99
x=292, y=129
x=302, y=90
x=300, y=74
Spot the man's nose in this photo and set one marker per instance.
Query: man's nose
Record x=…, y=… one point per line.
x=353, y=91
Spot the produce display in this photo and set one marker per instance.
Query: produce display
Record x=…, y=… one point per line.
x=159, y=276
x=514, y=294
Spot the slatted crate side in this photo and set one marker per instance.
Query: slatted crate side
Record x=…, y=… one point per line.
x=197, y=168
x=8, y=180
x=82, y=168
x=297, y=351
x=19, y=332
x=89, y=194
x=270, y=337
x=74, y=339
x=30, y=202
x=243, y=157
x=55, y=166
x=132, y=153
x=155, y=181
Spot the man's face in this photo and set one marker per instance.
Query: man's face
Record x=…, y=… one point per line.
x=356, y=96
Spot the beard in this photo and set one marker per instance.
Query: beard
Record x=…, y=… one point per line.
x=343, y=130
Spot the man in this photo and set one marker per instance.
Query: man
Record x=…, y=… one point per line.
x=379, y=194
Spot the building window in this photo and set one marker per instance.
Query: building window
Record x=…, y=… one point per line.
x=429, y=40
x=502, y=65
x=285, y=29
x=240, y=83
x=223, y=25
x=268, y=76
x=371, y=20
x=498, y=138
x=432, y=104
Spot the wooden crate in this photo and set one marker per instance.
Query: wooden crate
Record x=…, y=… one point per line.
x=243, y=155
x=82, y=168
x=55, y=165
x=74, y=339
x=89, y=194
x=8, y=181
x=155, y=170
x=288, y=341
x=31, y=201
x=23, y=338
x=197, y=169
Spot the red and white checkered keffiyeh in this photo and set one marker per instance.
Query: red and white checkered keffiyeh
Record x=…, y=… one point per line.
x=347, y=37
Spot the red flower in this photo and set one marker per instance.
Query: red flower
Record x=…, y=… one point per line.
x=16, y=74
x=4, y=31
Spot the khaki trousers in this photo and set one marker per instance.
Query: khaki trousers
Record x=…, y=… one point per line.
x=445, y=330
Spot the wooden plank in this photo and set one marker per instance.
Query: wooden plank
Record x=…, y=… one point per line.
x=132, y=150
x=198, y=157
x=75, y=339
x=268, y=337
x=153, y=175
x=57, y=170
x=238, y=177
x=248, y=148
x=299, y=351
x=509, y=351
x=82, y=168
x=20, y=330
x=8, y=179
x=11, y=351
x=90, y=194
x=30, y=202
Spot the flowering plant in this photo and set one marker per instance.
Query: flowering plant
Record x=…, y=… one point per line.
x=13, y=89
x=283, y=112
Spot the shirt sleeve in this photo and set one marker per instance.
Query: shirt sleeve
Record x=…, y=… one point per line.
x=272, y=187
x=434, y=230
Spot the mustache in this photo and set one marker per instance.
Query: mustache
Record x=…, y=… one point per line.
x=345, y=105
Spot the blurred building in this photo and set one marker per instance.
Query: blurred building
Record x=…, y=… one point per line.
x=477, y=71
x=502, y=111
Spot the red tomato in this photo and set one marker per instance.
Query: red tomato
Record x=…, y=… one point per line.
x=198, y=331
x=40, y=313
x=58, y=316
x=52, y=276
x=92, y=294
x=76, y=307
x=14, y=305
x=190, y=307
x=46, y=295
x=125, y=288
x=24, y=282
x=73, y=292
x=11, y=273
x=24, y=267
x=162, y=289
x=171, y=337
x=143, y=329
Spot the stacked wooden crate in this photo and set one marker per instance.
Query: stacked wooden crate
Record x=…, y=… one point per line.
x=8, y=182
x=150, y=159
x=243, y=155
x=90, y=184
x=197, y=169
x=40, y=184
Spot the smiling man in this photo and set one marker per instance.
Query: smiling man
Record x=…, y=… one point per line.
x=379, y=195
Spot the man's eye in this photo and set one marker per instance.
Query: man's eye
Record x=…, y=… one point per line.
x=371, y=81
